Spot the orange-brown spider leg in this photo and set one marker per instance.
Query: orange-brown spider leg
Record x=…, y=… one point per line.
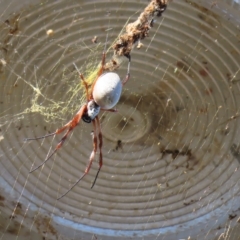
x=109, y=110
x=90, y=159
x=100, y=71
x=58, y=146
x=102, y=64
x=128, y=71
x=100, y=150
x=83, y=79
x=70, y=125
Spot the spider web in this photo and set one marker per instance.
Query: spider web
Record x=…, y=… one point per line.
x=171, y=152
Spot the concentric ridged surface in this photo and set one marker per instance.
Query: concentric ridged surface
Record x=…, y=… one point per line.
x=170, y=153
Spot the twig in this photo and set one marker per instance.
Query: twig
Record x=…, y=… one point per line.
x=135, y=32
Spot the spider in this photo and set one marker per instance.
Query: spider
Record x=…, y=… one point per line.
x=103, y=95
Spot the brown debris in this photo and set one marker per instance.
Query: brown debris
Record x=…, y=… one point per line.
x=94, y=39
x=135, y=32
x=139, y=29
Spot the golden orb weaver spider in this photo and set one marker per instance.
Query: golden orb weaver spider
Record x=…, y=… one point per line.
x=103, y=95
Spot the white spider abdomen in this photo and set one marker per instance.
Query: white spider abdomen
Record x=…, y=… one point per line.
x=107, y=90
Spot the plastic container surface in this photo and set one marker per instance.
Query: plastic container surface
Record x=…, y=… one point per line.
x=171, y=152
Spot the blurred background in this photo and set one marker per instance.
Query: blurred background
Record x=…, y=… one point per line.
x=170, y=154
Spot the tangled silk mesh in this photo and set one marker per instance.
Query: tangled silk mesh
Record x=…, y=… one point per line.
x=74, y=92
x=181, y=153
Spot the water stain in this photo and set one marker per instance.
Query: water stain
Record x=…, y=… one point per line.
x=44, y=226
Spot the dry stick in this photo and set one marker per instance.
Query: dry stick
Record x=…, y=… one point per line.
x=135, y=32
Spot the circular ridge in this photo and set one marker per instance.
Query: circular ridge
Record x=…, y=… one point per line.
x=165, y=152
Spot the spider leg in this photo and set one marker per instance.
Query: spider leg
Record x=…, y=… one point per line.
x=57, y=147
x=51, y=134
x=103, y=60
x=100, y=71
x=37, y=138
x=90, y=159
x=83, y=79
x=128, y=71
x=109, y=110
x=100, y=150
x=54, y=133
x=70, y=125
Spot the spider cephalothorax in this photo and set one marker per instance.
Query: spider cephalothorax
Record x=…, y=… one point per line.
x=92, y=111
x=103, y=95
